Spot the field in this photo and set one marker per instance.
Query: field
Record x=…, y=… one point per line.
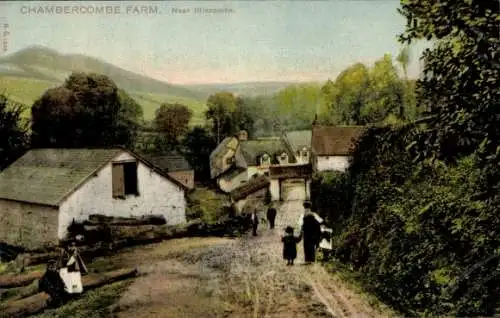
x=26, y=90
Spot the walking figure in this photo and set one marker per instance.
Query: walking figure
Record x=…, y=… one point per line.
x=52, y=284
x=311, y=233
x=271, y=216
x=290, y=245
x=255, y=222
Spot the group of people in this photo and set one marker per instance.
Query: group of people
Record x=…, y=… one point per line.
x=309, y=225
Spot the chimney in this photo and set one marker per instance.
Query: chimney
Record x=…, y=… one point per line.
x=243, y=135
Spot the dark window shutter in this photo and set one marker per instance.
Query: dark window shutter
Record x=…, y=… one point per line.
x=118, y=181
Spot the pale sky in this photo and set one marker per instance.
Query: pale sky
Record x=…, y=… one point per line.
x=254, y=41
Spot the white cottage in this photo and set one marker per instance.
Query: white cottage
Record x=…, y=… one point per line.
x=331, y=146
x=44, y=190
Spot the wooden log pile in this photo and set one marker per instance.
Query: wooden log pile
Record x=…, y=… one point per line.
x=37, y=302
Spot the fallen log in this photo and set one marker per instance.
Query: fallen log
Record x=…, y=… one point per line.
x=9, y=281
x=96, y=219
x=16, y=293
x=26, y=306
x=35, y=259
x=38, y=302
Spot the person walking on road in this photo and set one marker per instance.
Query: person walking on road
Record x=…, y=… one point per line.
x=271, y=216
x=255, y=222
x=311, y=233
x=290, y=245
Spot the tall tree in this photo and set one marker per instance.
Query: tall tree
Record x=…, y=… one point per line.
x=172, y=120
x=221, y=107
x=197, y=146
x=87, y=111
x=13, y=131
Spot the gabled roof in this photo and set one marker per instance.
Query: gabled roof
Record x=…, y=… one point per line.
x=48, y=176
x=170, y=162
x=334, y=140
x=299, y=139
x=253, y=149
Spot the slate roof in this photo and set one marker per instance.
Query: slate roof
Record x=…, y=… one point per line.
x=253, y=149
x=48, y=176
x=169, y=162
x=299, y=139
x=334, y=140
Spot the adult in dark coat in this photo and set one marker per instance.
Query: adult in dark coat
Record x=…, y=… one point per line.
x=52, y=284
x=271, y=216
x=311, y=231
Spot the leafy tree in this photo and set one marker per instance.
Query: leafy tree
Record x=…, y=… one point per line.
x=172, y=120
x=460, y=84
x=221, y=107
x=197, y=146
x=13, y=132
x=295, y=106
x=87, y=111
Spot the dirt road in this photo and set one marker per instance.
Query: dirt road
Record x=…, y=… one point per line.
x=244, y=277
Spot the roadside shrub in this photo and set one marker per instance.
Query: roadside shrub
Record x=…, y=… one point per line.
x=426, y=235
x=207, y=205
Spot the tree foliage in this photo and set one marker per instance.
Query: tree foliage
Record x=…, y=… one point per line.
x=197, y=146
x=228, y=114
x=420, y=218
x=13, y=132
x=87, y=111
x=172, y=120
x=460, y=84
x=362, y=95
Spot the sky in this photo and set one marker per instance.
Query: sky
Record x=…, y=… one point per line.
x=242, y=41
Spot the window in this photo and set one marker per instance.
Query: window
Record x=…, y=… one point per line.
x=124, y=178
x=266, y=174
x=229, y=160
x=283, y=158
x=265, y=160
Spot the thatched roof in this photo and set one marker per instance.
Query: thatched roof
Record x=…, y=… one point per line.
x=334, y=140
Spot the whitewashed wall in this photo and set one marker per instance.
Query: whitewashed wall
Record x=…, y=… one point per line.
x=260, y=170
x=157, y=195
x=339, y=163
x=228, y=184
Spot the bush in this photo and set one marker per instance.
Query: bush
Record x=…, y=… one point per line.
x=426, y=235
x=207, y=205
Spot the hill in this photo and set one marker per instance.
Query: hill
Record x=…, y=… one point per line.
x=26, y=74
x=250, y=89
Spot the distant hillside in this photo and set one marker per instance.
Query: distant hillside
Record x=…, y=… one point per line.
x=27, y=74
x=45, y=64
x=250, y=89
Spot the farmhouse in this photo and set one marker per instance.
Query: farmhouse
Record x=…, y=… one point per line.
x=238, y=161
x=331, y=146
x=46, y=189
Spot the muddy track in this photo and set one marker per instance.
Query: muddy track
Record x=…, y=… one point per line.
x=246, y=277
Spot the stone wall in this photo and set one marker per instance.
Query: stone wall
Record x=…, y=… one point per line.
x=28, y=225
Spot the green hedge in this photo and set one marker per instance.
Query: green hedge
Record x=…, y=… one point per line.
x=425, y=236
